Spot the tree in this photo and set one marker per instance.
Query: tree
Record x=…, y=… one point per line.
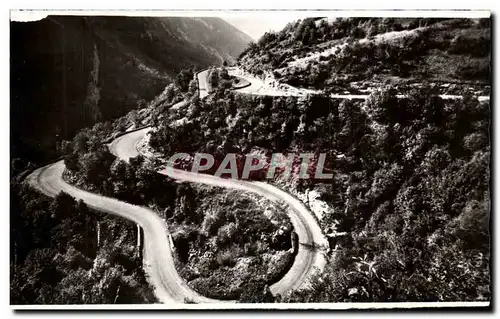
x=472, y=225
x=80, y=142
x=169, y=92
x=193, y=86
x=63, y=205
x=256, y=291
x=223, y=74
x=383, y=106
x=213, y=78
x=71, y=162
x=183, y=78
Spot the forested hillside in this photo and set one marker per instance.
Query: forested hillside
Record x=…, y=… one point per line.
x=409, y=204
x=229, y=245
x=55, y=256
x=357, y=54
x=69, y=72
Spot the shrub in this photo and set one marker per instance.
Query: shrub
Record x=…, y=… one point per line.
x=228, y=257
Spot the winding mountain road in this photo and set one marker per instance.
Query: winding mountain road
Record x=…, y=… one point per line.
x=158, y=260
x=272, y=88
x=304, y=223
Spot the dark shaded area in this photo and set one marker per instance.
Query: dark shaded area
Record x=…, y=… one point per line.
x=69, y=72
x=56, y=258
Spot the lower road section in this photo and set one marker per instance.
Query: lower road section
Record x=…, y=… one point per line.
x=159, y=263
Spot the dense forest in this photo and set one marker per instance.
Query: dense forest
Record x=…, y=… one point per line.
x=231, y=245
x=56, y=259
x=410, y=186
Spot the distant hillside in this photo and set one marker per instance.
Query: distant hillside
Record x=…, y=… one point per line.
x=69, y=72
x=333, y=54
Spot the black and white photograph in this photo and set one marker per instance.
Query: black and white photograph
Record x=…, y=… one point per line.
x=250, y=159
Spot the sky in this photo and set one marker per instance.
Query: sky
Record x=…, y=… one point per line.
x=256, y=23
x=256, y=27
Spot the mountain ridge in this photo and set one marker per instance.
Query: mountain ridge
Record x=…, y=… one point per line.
x=76, y=70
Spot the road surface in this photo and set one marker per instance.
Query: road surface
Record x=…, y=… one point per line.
x=304, y=223
x=273, y=88
x=202, y=83
x=169, y=286
x=158, y=260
